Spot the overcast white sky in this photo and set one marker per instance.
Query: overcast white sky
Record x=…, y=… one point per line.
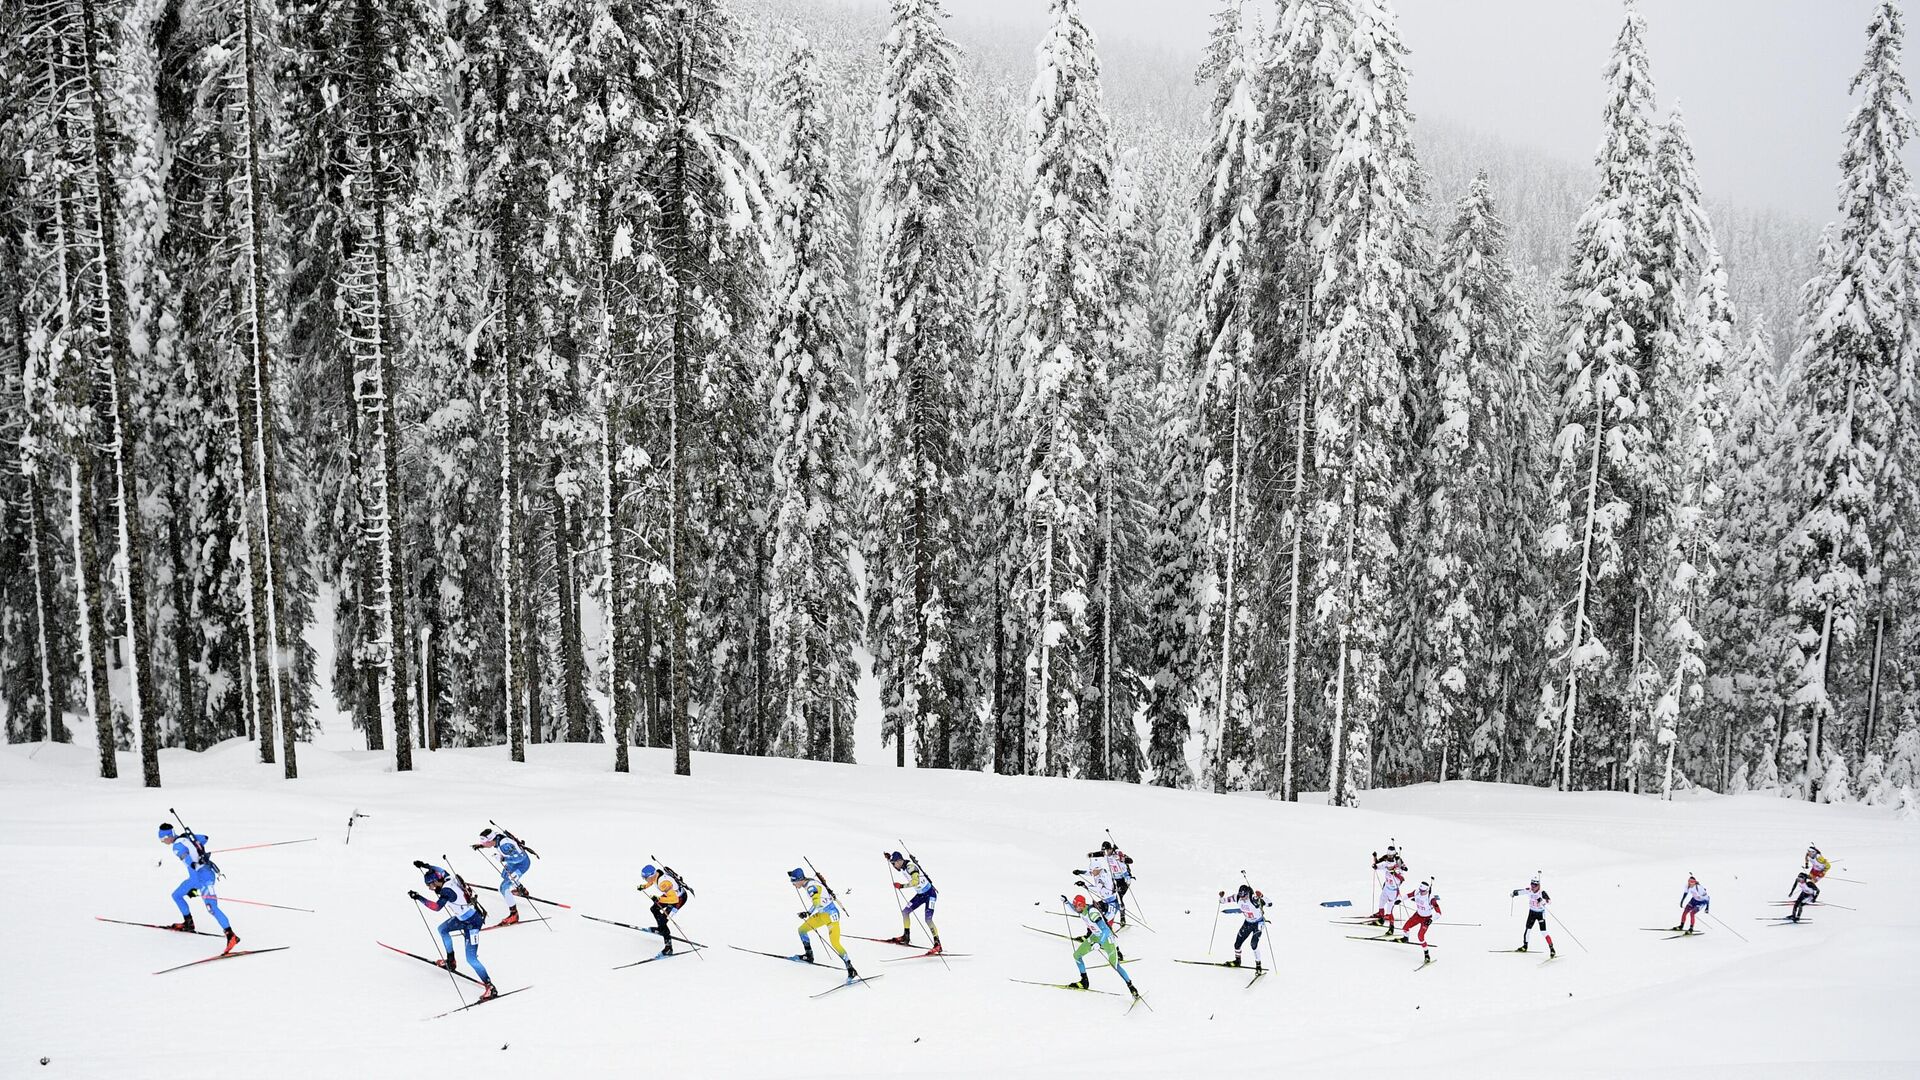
x=1763, y=82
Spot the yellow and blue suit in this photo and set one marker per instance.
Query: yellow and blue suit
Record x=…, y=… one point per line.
x=821, y=913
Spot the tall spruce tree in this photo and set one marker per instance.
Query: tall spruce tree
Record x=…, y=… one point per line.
x=1459, y=525
x=1363, y=345
x=810, y=592
x=1841, y=472
x=916, y=338
x=1604, y=452
x=1065, y=327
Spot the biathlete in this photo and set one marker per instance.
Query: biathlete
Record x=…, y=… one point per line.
x=822, y=913
x=1392, y=870
x=191, y=848
x=1815, y=864
x=1693, y=901
x=924, y=896
x=668, y=896
x=1120, y=870
x=1805, y=891
x=514, y=862
x=1251, y=906
x=464, y=913
x=1426, y=904
x=1098, y=935
x=1536, y=915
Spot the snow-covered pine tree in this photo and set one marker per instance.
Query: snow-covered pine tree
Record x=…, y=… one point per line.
x=1845, y=415
x=611, y=85
x=706, y=202
x=1604, y=454
x=916, y=339
x=1066, y=324
x=1363, y=346
x=1698, y=413
x=1459, y=529
x=1303, y=63
x=384, y=101
x=810, y=592
x=238, y=62
x=1690, y=336
x=1746, y=619
x=36, y=661
x=1228, y=281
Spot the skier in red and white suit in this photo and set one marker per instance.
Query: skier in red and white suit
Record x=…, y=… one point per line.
x=1425, y=906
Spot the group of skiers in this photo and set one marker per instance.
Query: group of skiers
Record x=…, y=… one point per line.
x=1107, y=875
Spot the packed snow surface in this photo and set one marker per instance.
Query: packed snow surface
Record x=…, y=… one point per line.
x=1821, y=999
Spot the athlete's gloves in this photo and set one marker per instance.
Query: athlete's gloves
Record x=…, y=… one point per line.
x=899, y=885
x=418, y=865
x=415, y=893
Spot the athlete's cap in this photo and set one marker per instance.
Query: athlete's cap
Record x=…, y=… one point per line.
x=166, y=829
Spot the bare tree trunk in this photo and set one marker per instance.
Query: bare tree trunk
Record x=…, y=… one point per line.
x=573, y=667
x=112, y=303
x=676, y=232
x=261, y=399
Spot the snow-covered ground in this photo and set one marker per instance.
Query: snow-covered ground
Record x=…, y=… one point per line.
x=1822, y=999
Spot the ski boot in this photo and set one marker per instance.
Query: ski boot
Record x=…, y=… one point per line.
x=905, y=938
x=936, y=950
x=1522, y=948
x=232, y=940
x=1552, y=952
x=851, y=973
x=1679, y=929
x=487, y=992
x=1235, y=962
x=1134, y=990
x=1084, y=984
x=513, y=916
x=521, y=892
x=667, y=949
x=185, y=925
x=1257, y=969
x=805, y=957
x=447, y=963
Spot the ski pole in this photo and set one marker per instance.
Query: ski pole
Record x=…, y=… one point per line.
x=1211, y=934
x=897, y=902
x=351, y=818
x=1724, y=926
x=258, y=903
x=434, y=942
x=1569, y=930
x=250, y=847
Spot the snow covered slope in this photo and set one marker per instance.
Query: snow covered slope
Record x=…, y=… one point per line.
x=1822, y=999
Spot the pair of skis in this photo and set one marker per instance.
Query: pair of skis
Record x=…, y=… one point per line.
x=927, y=955
x=692, y=946
x=1551, y=955
x=458, y=973
x=1138, y=997
x=1673, y=932
x=850, y=980
x=1258, y=971
x=230, y=955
